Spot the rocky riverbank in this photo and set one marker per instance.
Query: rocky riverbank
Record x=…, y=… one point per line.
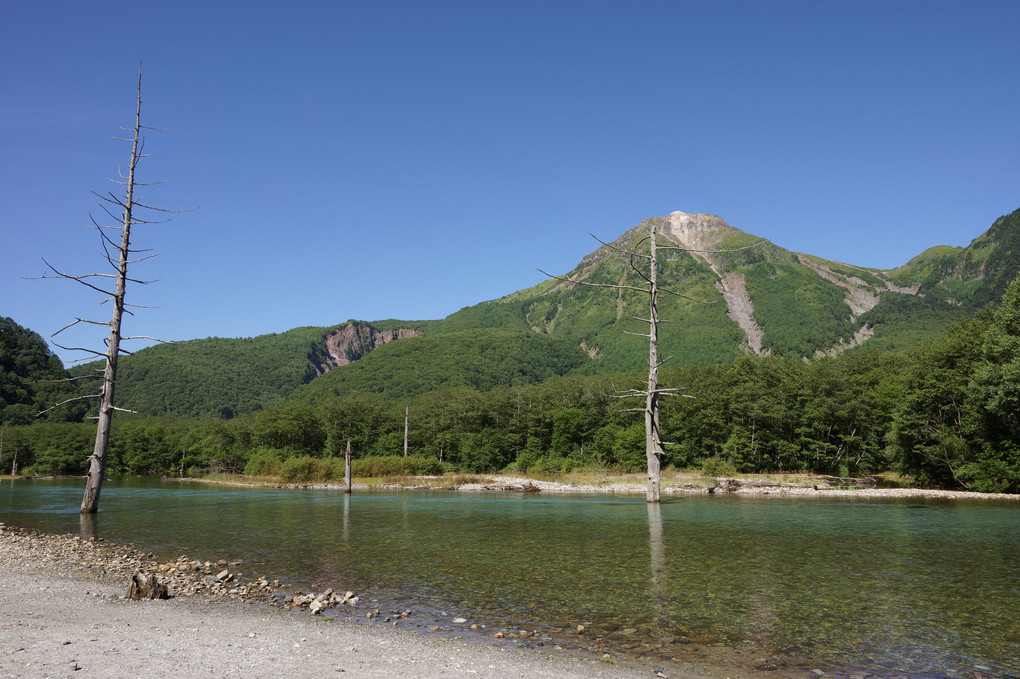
x=63, y=612
x=735, y=486
x=807, y=487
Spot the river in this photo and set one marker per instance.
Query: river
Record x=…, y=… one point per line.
x=923, y=587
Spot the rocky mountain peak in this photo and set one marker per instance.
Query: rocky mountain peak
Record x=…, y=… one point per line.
x=680, y=222
x=694, y=231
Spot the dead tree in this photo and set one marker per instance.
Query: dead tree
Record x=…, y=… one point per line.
x=120, y=255
x=653, y=392
x=407, y=410
x=347, y=468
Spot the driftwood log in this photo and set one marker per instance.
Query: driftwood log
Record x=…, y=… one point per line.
x=146, y=586
x=822, y=482
x=528, y=487
x=848, y=481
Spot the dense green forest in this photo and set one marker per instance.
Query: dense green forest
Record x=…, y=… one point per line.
x=31, y=378
x=945, y=414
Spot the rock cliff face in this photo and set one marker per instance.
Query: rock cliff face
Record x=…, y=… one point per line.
x=355, y=340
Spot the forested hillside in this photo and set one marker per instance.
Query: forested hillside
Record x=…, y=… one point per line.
x=31, y=377
x=226, y=377
x=480, y=359
x=944, y=414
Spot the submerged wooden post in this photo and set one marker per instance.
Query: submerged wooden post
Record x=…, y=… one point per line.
x=89, y=526
x=347, y=468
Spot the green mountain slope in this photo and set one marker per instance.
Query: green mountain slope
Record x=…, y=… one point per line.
x=740, y=295
x=944, y=284
x=481, y=358
x=223, y=377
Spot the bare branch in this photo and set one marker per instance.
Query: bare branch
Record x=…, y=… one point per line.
x=161, y=209
x=79, y=279
x=77, y=321
x=70, y=379
x=146, y=337
x=88, y=351
x=623, y=250
x=142, y=259
x=687, y=297
x=70, y=400
x=593, y=285
x=639, y=272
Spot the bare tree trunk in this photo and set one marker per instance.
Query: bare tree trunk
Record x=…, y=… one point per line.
x=406, y=411
x=347, y=468
x=97, y=464
x=653, y=443
x=89, y=526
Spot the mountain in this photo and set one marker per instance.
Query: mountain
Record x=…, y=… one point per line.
x=748, y=295
x=740, y=295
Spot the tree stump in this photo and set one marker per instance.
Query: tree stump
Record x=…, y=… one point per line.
x=146, y=586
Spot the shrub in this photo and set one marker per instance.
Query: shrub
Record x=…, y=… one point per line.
x=549, y=464
x=307, y=469
x=716, y=466
x=525, y=459
x=264, y=462
x=396, y=465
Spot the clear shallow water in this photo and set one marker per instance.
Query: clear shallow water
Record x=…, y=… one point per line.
x=913, y=586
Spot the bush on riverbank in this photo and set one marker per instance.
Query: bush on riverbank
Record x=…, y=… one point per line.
x=308, y=469
x=397, y=465
x=264, y=462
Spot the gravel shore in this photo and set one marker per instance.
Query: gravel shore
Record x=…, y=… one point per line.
x=63, y=613
x=688, y=486
x=736, y=487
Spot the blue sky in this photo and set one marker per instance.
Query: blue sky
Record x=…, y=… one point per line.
x=405, y=159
